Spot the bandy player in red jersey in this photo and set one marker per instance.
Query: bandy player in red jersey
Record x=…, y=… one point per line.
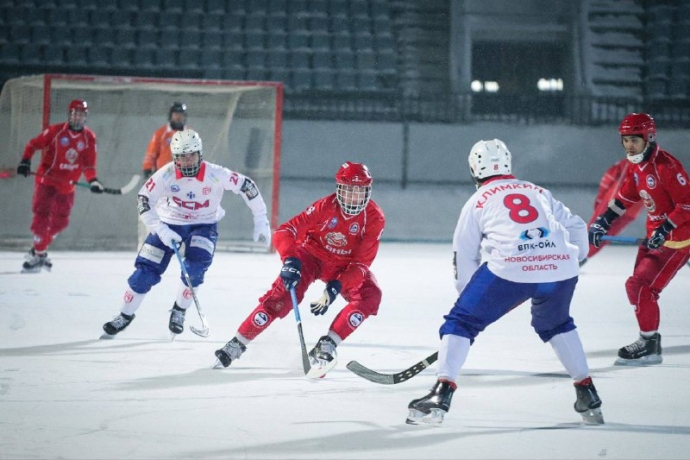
x=334, y=240
x=69, y=150
x=659, y=180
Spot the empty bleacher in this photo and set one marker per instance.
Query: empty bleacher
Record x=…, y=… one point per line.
x=310, y=45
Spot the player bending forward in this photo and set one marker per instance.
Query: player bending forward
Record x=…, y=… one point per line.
x=180, y=203
x=334, y=240
x=534, y=245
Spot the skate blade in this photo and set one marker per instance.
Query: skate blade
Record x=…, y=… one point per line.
x=417, y=417
x=644, y=361
x=593, y=417
x=31, y=270
x=106, y=336
x=320, y=367
x=172, y=336
x=217, y=365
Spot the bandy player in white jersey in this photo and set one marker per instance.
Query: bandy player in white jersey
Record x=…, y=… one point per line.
x=180, y=203
x=533, y=245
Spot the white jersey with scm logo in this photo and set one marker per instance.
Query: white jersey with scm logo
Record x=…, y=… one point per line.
x=527, y=235
x=180, y=200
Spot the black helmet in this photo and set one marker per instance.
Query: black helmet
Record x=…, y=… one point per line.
x=178, y=107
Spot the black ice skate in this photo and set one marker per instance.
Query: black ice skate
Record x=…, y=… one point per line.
x=176, y=324
x=644, y=351
x=322, y=358
x=229, y=353
x=34, y=262
x=588, y=403
x=432, y=407
x=118, y=324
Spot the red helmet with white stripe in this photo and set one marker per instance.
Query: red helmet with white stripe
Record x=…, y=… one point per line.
x=77, y=112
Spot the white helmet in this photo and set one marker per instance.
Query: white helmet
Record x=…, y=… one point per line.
x=184, y=143
x=489, y=158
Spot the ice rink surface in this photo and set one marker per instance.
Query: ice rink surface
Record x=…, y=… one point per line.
x=66, y=394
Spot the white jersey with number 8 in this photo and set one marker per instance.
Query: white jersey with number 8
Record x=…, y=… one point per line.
x=527, y=235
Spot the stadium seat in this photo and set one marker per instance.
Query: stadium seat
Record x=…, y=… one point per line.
x=150, y=5
x=359, y=8
x=297, y=7
x=256, y=74
x=53, y=54
x=78, y=18
x=277, y=59
x=99, y=18
x=121, y=57
x=342, y=42
x=344, y=60
x=176, y=6
x=318, y=24
x=278, y=7
x=169, y=20
x=367, y=81
x=125, y=38
x=165, y=58
x=320, y=41
x=60, y=36
x=146, y=38
x=10, y=54
x=282, y=75
x=338, y=9
x=190, y=39
x=255, y=23
x=215, y=6
x=655, y=88
x=678, y=88
x=298, y=23
x=128, y=5
x=76, y=55
x=365, y=61
x=233, y=40
x=20, y=34
x=82, y=36
x=277, y=40
x=302, y=79
x=193, y=6
x=339, y=25
x=254, y=40
x=99, y=56
x=120, y=18
x=345, y=80
x=211, y=39
x=234, y=73
x=57, y=18
x=363, y=42
x=300, y=59
x=30, y=54
x=211, y=58
x=277, y=24
x=323, y=79
x=232, y=23
x=211, y=22
x=255, y=59
x=298, y=41
x=169, y=39
x=232, y=59
x=189, y=58
x=322, y=60
x=104, y=37
x=40, y=34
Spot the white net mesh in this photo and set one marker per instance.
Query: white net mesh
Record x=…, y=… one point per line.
x=238, y=123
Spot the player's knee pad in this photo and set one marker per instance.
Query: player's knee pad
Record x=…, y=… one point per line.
x=198, y=257
x=150, y=265
x=547, y=334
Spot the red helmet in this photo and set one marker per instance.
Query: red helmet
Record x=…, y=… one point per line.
x=639, y=124
x=353, y=174
x=81, y=106
x=354, y=187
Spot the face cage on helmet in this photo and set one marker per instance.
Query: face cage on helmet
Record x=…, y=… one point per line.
x=187, y=171
x=346, y=195
x=74, y=125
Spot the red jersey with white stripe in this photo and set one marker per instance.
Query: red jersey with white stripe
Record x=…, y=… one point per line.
x=334, y=238
x=661, y=183
x=66, y=155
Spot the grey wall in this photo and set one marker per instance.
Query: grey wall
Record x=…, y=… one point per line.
x=569, y=160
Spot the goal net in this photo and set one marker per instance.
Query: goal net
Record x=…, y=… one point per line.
x=239, y=124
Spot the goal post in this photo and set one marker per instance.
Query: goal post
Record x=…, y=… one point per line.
x=239, y=123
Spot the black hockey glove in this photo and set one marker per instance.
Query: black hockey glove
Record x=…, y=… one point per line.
x=320, y=307
x=96, y=186
x=659, y=236
x=147, y=173
x=291, y=272
x=24, y=168
x=600, y=226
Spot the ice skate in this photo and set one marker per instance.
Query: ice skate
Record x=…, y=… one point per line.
x=118, y=324
x=588, y=404
x=322, y=358
x=176, y=323
x=229, y=353
x=34, y=262
x=433, y=407
x=643, y=352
